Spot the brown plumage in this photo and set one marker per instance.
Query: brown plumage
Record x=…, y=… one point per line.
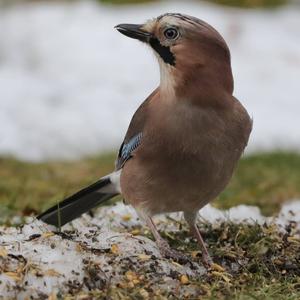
x=184, y=141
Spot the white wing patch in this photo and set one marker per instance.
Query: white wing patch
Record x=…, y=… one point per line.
x=115, y=186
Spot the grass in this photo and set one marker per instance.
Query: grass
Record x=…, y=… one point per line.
x=259, y=261
x=237, y=3
x=124, y=2
x=27, y=188
x=264, y=180
x=267, y=262
x=251, y=3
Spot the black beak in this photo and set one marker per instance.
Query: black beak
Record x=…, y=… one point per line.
x=134, y=31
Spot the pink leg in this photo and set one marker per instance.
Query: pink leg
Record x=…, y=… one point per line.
x=191, y=220
x=153, y=228
x=163, y=246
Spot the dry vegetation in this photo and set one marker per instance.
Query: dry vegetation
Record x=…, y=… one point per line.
x=253, y=261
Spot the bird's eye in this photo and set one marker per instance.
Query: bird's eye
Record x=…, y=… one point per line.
x=171, y=33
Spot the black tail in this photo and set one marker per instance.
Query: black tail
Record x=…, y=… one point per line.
x=77, y=204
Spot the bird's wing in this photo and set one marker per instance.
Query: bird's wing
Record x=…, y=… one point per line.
x=134, y=135
x=108, y=186
x=126, y=150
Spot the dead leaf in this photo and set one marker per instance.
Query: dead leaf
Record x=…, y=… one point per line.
x=144, y=293
x=221, y=275
x=13, y=275
x=114, y=249
x=195, y=254
x=144, y=257
x=52, y=296
x=47, y=234
x=78, y=248
x=176, y=264
x=135, y=231
x=293, y=239
x=3, y=252
x=184, y=279
x=217, y=268
x=52, y=272
x=130, y=275
x=126, y=217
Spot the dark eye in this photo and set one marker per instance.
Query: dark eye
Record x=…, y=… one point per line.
x=171, y=33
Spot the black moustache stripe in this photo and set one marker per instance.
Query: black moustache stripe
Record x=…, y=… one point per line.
x=164, y=52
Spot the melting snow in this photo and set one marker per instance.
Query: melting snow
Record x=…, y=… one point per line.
x=69, y=84
x=36, y=262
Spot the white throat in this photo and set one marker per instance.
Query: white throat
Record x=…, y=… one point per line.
x=167, y=80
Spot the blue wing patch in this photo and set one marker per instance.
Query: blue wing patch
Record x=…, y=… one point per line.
x=126, y=150
x=131, y=146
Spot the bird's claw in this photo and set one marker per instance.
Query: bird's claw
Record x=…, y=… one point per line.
x=207, y=260
x=169, y=253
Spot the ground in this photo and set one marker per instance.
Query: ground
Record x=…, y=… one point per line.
x=264, y=180
x=76, y=92
x=253, y=260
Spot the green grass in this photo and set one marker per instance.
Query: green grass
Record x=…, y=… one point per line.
x=237, y=3
x=27, y=188
x=122, y=2
x=265, y=180
x=234, y=3
x=267, y=261
x=251, y=3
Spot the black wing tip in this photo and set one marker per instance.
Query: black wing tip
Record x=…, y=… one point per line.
x=91, y=188
x=47, y=218
x=52, y=215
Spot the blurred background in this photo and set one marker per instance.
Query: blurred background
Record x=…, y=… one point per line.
x=70, y=83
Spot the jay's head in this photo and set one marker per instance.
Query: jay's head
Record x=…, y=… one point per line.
x=190, y=52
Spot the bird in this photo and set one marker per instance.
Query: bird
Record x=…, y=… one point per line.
x=184, y=141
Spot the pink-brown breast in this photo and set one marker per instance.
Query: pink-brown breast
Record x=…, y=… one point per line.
x=186, y=157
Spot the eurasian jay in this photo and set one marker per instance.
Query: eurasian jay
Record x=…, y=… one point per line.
x=184, y=141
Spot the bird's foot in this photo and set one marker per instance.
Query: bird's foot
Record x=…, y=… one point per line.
x=167, y=252
x=207, y=260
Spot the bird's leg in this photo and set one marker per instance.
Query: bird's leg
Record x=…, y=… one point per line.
x=191, y=217
x=162, y=244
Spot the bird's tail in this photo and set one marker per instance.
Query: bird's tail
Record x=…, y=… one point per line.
x=81, y=202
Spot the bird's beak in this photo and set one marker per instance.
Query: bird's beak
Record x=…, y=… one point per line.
x=134, y=31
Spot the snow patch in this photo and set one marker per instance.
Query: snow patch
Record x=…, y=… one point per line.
x=36, y=262
x=70, y=83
